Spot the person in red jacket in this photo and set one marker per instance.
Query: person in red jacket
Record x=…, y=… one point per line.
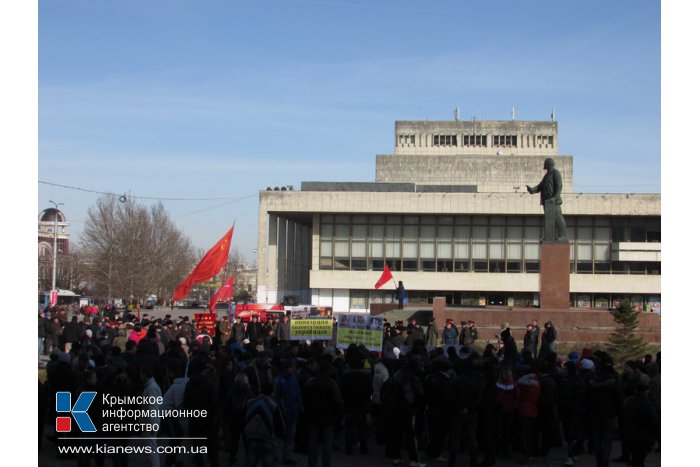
x=529, y=388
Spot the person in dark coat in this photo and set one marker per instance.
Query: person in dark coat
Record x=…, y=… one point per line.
x=547, y=418
x=473, y=333
x=442, y=403
x=186, y=329
x=431, y=335
x=529, y=342
x=51, y=339
x=356, y=389
x=604, y=399
x=402, y=398
x=261, y=371
x=535, y=336
x=254, y=330
x=469, y=388
x=400, y=294
x=239, y=331
x=415, y=333
x=287, y=394
x=510, y=349
x=640, y=425
x=548, y=337
x=72, y=332
x=323, y=404
x=201, y=393
x=449, y=334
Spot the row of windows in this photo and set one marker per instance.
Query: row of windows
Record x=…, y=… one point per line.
x=360, y=299
x=444, y=140
x=407, y=140
x=486, y=265
x=475, y=243
x=582, y=228
x=497, y=141
x=475, y=141
x=505, y=141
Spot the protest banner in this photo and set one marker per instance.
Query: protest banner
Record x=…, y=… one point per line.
x=206, y=321
x=359, y=329
x=309, y=322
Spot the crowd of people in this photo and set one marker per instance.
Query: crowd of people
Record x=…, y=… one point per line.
x=428, y=397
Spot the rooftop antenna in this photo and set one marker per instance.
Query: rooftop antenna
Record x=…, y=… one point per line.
x=457, y=114
x=554, y=116
x=512, y=113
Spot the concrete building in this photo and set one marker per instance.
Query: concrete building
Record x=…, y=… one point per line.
x=449, y=212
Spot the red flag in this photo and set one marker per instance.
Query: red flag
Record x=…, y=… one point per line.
x=386, y=277
x=226, y=291
x=208, y=267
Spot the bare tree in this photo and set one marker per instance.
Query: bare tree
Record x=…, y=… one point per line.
x=131, y=250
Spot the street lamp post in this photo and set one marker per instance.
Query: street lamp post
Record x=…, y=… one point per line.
x=55, y=245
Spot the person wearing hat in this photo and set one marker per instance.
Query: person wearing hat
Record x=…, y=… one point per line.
x=449, y=334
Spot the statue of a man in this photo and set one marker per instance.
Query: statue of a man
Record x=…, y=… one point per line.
x=550, y=197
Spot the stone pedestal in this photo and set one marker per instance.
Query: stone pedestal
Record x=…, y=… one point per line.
x=554, y=275
x=439, y=311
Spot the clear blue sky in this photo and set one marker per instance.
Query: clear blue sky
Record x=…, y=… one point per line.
x=220, y=99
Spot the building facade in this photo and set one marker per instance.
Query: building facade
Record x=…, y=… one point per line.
x=450, y=214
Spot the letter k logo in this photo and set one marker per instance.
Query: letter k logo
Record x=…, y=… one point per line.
x=78, y=411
